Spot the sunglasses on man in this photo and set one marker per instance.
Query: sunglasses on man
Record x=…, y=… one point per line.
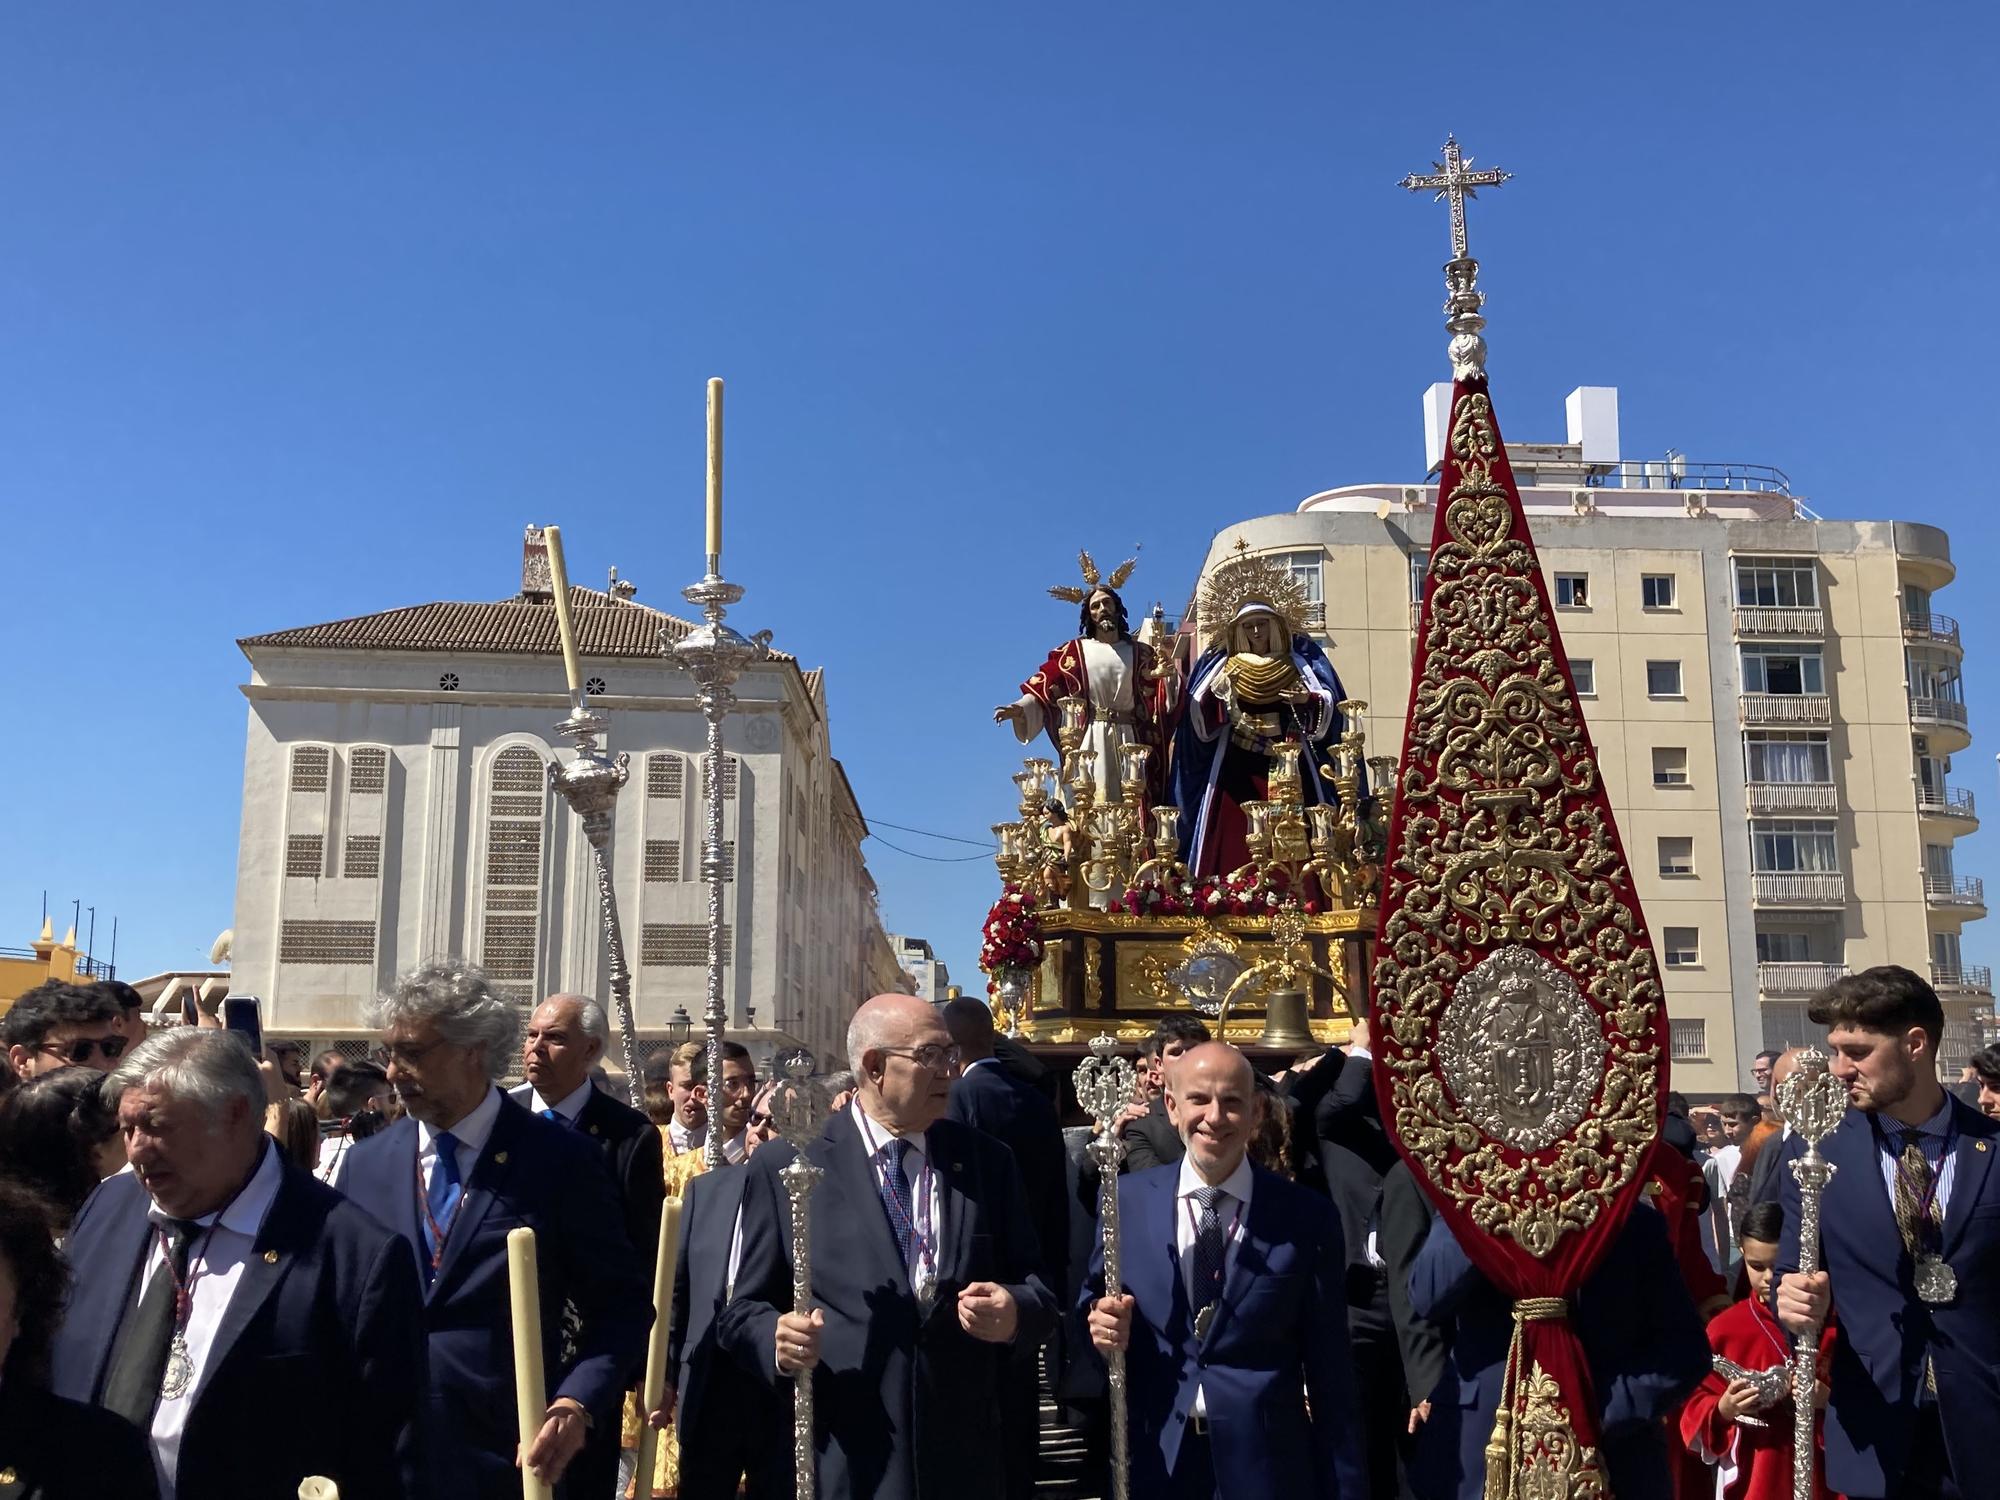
x=83, y=1049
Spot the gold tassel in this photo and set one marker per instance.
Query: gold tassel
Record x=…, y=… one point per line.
x=1503, y=1462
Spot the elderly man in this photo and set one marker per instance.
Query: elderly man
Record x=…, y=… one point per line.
x=225, y=1299
x=466, y=1166
x=924, y=1268
x=1236, y=1340
x=58, y=1025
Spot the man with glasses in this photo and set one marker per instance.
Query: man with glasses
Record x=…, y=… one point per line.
x=58, y=1025
x=926, y=1276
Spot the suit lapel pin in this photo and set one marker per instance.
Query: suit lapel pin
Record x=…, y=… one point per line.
x=8, y=1476
x=593, y=1130
x=500, y=1158
x=1979, y=1145
x=270, y=1257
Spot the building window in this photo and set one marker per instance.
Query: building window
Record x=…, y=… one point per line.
x=1306, y=568
x=1420, y=564
x=508, y=949
x=1680, y=947
x=1573, y=590
x=663, y=861
x=511, y=929
x=309, y=766
x=1777, y=583
x=1676, y=856
x=729, y=765
x=664, y=775
x=1783, y=846
x=367, y=769
x=1663, y=679
x=326, y=943
x=362, y=859
x=305, y=855
x=1583, y=672
x=679, y=945
x=1784, y=948
x=1787, y=756
x=448, y=682
x=1656, y=590
x=1783, y=670
x=1689, y=1035
x=595, y=687
x=514, y=854
x=1670, y=765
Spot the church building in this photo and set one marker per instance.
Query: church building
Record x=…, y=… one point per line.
x=396, y=808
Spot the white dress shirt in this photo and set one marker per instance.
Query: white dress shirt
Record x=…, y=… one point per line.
x=215, y=1266
x=1232, y=1208
x=569, y=1106
x=683, y=1139
x=470, y=1133
x=923, y=1195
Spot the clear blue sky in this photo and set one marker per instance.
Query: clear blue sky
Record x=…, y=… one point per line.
x=305, y=309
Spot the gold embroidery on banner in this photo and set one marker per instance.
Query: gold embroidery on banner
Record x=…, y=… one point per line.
x=1551, y=1463
x=1505, y=839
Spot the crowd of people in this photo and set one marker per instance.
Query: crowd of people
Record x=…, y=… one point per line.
x=222, y=1273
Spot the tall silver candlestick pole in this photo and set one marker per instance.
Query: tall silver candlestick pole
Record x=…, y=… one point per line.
x=715, y=655
x=799, y=1108
x=1104, y=1083
x=590, y=783
x=1812, y=1101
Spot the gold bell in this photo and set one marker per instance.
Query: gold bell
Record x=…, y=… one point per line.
x=1285, y=1026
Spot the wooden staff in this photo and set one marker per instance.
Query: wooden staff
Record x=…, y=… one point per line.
x=531, y=1391
x=666, y=1261
x=1104, y=1083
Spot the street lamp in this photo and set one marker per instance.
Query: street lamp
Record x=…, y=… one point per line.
x=679, y=1027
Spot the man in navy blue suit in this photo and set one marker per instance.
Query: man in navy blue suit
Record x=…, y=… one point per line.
x=467, y=1166
x=731, y=1424
x=924, y=1268
x=1641, y=1336
x=1910, y=1251
x=992, y=1099
x=228, y=1304
x=1233, y=1312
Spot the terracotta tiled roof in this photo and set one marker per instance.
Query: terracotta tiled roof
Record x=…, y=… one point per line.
x=605, y=627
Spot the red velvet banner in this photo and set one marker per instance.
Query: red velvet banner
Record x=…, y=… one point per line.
x=1521, y=1033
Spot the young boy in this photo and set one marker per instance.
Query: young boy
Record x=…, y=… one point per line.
x=1728, y=1423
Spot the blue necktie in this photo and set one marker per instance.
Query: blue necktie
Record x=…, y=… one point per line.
x=896, y=1196
x=441, y=1198
x=1210, y=1248
x=550, y=1114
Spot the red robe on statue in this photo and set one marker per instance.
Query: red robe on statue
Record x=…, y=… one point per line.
x=1752, y=1463
x=1066, y=675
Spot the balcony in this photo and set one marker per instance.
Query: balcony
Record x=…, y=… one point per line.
x=1942, y=629
x=1819, y=888
x=1797, y=978
x=1925, y=709
x=1786, y=708
x=1793, y=623
x=1974, y=977
x=1793, y=797
x=1955, y=890
x=1946, y=802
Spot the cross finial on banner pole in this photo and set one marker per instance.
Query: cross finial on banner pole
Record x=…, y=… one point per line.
x=1454, y=182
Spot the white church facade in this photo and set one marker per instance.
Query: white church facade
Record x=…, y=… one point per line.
x=396, y=808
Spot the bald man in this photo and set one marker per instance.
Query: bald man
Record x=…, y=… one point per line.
x=1236, y=1340
x=926, y=1276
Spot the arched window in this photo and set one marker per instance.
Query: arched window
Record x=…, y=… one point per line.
x=516, y=806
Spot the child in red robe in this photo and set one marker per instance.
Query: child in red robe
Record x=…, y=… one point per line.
x=1720, y=1422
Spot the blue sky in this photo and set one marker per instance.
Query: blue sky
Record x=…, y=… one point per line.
x=306, y=309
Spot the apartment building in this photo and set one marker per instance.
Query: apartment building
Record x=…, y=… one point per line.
x=1775, y=698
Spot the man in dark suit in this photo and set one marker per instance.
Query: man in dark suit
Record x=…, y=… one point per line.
x=1641, y=1335
x=565, y=1040
x=924, y=1268
x=1233, y=1311
x=465, y=1167
x=1910, y=1250
x=1149, y=1136
x=731, y=1423
x=1337, y=1094
x=226, y=1302
x=1769, y=1171
x=992, y=1099
x=1403, y=1223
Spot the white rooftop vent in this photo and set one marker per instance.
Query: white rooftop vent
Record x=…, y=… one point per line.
x=1437, y=424
x=1593, y=423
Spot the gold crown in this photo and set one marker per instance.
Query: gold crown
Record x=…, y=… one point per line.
x=1246, y=579
x=1092, y=583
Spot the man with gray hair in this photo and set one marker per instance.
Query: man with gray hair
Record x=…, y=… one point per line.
x=466, y=1166
x=224, y=1299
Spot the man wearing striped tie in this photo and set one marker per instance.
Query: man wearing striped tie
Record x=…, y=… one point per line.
x=1910, y=1251
x=926, y=1276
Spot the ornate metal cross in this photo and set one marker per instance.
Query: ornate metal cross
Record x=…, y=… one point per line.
x=1452, y=181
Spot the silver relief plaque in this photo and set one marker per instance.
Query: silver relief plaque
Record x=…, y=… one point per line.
x=1521, y=1048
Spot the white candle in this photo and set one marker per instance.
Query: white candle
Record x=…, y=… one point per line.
x=559, y=580
x=531, y=1391
x=654, y=1390
x=714, y=473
